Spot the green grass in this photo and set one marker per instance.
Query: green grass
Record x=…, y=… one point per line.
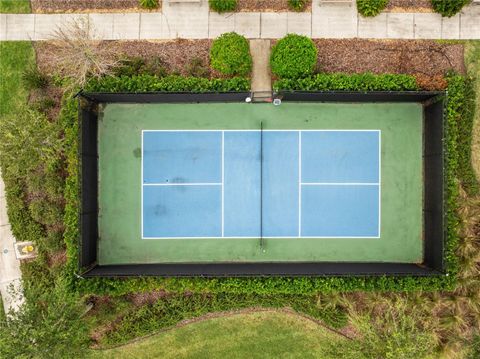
x=252, y=335
x=14, y=58
x=15, y=6
x=472, y=62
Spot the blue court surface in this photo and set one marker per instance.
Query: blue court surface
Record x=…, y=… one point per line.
x=252, y=184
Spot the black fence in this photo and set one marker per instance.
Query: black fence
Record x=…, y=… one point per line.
x=433, y=206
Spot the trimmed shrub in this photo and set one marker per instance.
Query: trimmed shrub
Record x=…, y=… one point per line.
x=449, y=8
x=222, y=5
x=33, y=79
x=297, y=5
x=370, y=8
x=230, y=55
x=293, y=56
x=148, y=4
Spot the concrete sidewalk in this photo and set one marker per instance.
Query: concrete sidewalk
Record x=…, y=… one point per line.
x=193, y=20
x=10, y=273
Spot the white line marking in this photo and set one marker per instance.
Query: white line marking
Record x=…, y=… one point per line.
x=280, y=237
x=339, y=184
x=299, y=183
x=141, y=186
x=223, y=181
x=271, y=130
x=379, y=182
x=184, y=184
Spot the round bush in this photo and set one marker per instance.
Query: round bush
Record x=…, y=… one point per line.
x=449, y=8
x=148, y=4
x=222, y=5
x=297, y=5
x=293, y=56
x=230, y=54
x=369, y=8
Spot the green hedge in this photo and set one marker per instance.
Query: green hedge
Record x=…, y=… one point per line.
x=148, y=4
x=275, y=285
x=369, y=8
x=449, y=8
x=344, y=82
x=230, y=54
x=293, y=56
x=298, y=5
x=173, y=83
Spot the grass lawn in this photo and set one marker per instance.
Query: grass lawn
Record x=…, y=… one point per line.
x=15, y=56
x=15, y=6
x=252, y=335
x=472, y=61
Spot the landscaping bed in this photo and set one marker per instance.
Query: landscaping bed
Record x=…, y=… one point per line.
x=427, y=60
x=266, y=5
x=176, y=56
x=409, y=6
x=62, y=6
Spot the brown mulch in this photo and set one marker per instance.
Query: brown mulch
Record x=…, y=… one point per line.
x=409, y=5
x=175, y=55
x=266, y=5
x=427, y=60
x=62, y=6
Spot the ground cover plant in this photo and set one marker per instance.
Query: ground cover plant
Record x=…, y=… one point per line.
x=222, y=5
x=148, y=4
x=293, y=56
x=298, y=5
x=15, y=6
x=370, y=8
x=230, y=54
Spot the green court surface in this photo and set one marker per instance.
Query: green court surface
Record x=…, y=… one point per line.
x=120, y=182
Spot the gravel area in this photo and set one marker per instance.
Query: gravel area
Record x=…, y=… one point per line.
x=68, y=6
x=426, y=59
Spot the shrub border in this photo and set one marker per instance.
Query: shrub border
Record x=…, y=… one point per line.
x=284, y=285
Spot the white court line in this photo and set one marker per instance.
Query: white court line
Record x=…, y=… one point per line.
x=279, y=237
x=141, y=186
x=184, y=184
x=339, y=184
x=379, y=182
x=271, y=130
x=299, y=183
x=223, y=181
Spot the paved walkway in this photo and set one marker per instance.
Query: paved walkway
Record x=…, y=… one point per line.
x=10, y=274
x=194, y=21
x=261, y=77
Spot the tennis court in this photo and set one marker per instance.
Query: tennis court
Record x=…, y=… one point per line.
x=237, y=183
x=255, y=184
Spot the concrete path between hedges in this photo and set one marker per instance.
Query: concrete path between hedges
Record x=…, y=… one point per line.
x=10, y=273
x=261, y=78
x=193, y=20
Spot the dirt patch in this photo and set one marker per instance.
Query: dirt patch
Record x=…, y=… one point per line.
x=139, y=299
x=425, y=59
x=409, y=6
x=67, y=6
x=266, y=5
x=176, y=56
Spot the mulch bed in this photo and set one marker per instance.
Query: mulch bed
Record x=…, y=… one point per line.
x=66, y=6
x=175, y=55
x=427, y=60
x=409, y=5
x=266, y=5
